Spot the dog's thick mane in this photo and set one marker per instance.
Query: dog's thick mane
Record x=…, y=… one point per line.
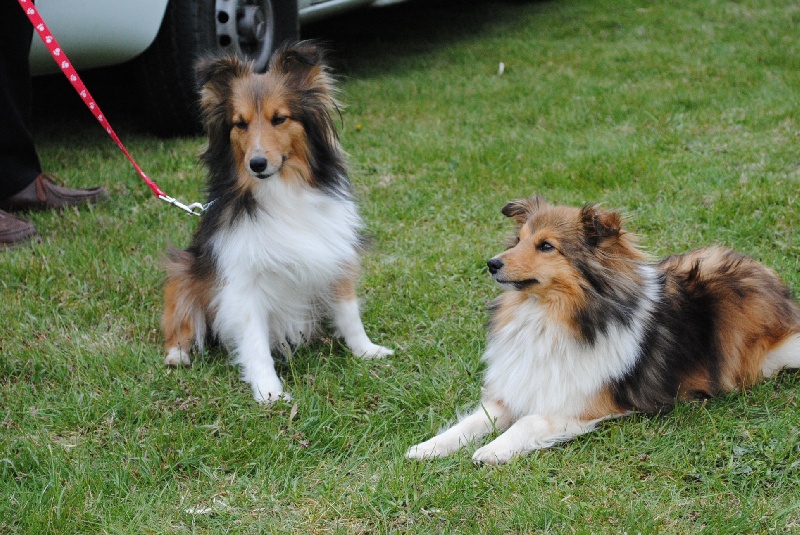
x=609, y=261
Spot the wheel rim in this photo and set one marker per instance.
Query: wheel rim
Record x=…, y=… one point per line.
x=246, y=28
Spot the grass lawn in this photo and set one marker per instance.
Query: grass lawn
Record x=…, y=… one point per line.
x=686, y=115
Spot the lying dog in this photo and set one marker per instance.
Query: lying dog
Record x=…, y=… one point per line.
x=588, y=329
x=278, y=250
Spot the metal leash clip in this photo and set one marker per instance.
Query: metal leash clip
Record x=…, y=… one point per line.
x=192, y=208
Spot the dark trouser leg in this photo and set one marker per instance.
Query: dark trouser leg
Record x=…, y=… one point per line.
x=19, y=162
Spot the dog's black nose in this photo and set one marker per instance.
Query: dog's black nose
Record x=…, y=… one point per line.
x=258, y=164
x=495, y=265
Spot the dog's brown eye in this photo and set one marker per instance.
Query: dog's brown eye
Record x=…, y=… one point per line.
x=545, y=247
x=240, y=124
x=278, y=119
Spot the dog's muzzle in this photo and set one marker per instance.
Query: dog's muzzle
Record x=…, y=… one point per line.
x=495, y=266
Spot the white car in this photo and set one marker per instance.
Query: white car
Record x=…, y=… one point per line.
x=163, y=38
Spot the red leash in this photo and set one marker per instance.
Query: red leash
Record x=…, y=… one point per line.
x=72, y=75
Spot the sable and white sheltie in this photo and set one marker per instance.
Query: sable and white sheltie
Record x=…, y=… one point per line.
x=277, y=252
x=588, y=329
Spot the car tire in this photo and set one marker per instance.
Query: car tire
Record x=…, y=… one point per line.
x=191, y=28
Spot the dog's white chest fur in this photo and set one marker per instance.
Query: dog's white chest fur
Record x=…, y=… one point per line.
x=535, y=366
x=286, y=258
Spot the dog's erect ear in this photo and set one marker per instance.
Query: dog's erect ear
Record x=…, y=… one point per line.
x=304, y=65
x=521, y=209
x=214, y=75
x=220, y=70
x=599, y=225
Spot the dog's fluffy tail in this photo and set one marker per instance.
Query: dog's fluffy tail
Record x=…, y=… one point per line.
x=186, y=298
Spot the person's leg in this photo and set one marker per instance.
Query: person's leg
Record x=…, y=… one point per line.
x=23, y=186
x=19, y=162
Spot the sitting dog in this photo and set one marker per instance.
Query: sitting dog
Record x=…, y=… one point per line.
x=588, y=329
x=277, y=252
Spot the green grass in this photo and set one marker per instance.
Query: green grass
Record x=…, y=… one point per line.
x=686, y=115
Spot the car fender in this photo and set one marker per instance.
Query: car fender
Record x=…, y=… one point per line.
x=97, y=33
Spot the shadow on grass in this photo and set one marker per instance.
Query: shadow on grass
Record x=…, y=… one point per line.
x=364, y=42
x=373, y=41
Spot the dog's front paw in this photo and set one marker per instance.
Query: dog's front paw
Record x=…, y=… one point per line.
x=430, y=449
x=177, y=357
x=372, y=351
x=269, y=391
x=493, y=454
